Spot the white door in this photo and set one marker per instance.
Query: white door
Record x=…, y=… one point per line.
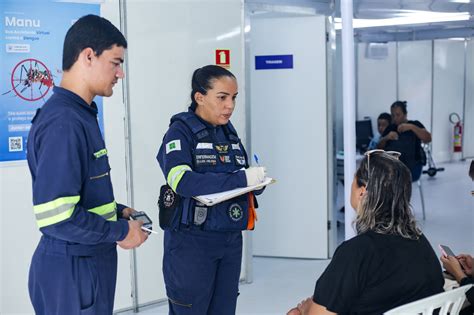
x=288, y=113
x=468, y=132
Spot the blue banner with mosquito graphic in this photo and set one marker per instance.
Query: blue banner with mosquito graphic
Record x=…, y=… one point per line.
x=32, y=34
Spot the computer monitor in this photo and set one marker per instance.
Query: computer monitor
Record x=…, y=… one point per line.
x=363, y=134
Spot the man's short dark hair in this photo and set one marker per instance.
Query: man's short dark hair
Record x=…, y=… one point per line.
x=385, y=116
x=90, y=31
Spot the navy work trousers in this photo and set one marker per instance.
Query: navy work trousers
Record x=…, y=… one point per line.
x=72, y=279
x=201, y=271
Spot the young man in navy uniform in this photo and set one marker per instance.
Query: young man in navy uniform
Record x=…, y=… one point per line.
x=74, y=268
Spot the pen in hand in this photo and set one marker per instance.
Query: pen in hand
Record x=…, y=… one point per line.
x=148, y=230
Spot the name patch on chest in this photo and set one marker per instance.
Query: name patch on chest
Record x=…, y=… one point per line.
x=204, y=145
x=205, y=159
x=100, y=153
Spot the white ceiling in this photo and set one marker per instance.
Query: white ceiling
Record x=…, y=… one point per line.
x=379, y=9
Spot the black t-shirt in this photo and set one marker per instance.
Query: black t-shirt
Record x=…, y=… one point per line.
x=373, y=273
x=408, y=144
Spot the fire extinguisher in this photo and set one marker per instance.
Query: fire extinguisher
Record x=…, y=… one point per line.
x=457, y=132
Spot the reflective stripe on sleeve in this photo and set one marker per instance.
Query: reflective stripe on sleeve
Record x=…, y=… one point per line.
x=175, y=175
x=55, y=211
x=107, y=211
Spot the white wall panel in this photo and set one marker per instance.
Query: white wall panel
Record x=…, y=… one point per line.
x=337, y=85
x=289, y=133
x=376, y=83
x=414, y=79
x=468, y=132
x=114, y=114
x=1, y=242
x=447, y=94
x=168, y=40
x=19, y=236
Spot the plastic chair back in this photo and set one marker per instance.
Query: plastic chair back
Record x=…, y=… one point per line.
x=449, y=301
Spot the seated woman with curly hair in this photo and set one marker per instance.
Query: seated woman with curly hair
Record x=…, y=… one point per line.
x=390, y=262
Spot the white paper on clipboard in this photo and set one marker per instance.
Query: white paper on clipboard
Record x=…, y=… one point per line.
x=212, y=199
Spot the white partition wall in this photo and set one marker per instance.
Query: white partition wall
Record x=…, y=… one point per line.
x=289, y=128
x=414, y=80
x=114, y=115
x=19, y=236
x=168, y=40
x=448, y=93
x=376, y=83
x=468, y=132
x=431, y=79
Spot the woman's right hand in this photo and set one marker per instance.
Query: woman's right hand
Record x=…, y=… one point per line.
x=453, y=266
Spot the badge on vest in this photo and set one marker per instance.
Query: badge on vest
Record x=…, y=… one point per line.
x=200, y=215
x=222, y=148
x=240, y=160
x=205, y=159
x=225, y=159
x=235, y=146
x=168, y=201
x=235, y=212
x=169, y=198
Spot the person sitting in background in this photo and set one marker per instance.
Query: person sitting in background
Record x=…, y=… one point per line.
x=461, y=268
x=383, y=121
x=405, y=136
x=390, y=262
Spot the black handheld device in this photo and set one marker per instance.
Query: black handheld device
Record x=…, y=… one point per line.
x=142, y=216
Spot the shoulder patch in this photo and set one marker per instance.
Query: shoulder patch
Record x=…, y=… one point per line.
x=174, y=145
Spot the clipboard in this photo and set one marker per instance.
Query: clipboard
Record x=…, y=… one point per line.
x=213, y=199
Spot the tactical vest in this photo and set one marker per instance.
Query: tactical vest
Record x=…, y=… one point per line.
x=211, y=155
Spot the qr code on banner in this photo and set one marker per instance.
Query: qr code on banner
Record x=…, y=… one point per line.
x=15, y=144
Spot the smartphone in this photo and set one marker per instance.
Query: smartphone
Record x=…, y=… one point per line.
x=446, y=251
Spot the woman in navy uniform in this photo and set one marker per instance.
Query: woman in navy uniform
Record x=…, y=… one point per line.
x=201, y=154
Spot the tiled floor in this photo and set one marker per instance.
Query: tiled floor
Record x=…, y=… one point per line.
x=280, y=283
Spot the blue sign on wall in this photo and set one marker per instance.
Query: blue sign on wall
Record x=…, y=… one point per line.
x=31, y=36
x=274, y=62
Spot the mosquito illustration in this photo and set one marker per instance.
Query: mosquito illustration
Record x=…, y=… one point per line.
x=31, y=80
